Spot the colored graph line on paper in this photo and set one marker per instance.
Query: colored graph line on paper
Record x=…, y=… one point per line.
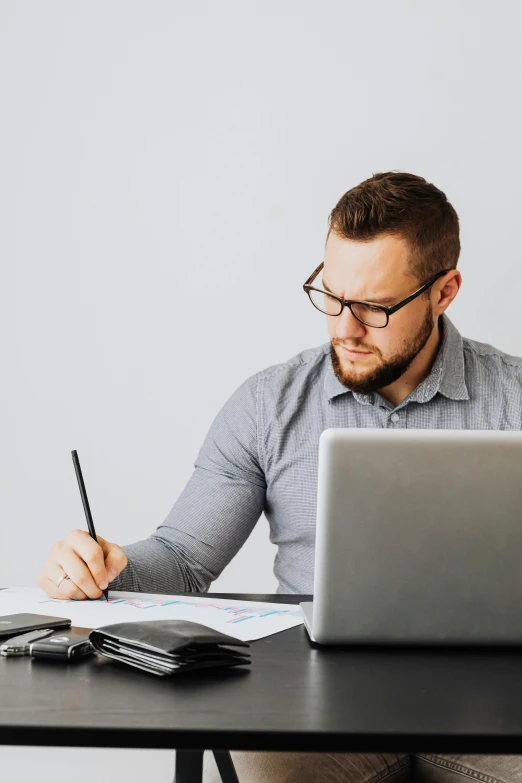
x=237, y=613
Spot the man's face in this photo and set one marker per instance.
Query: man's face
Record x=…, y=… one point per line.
x=374, y=271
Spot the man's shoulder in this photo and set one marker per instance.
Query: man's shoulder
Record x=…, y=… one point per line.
x=299, y=371
x=492, y=358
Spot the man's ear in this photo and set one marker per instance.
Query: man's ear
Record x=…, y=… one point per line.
x=448, y=291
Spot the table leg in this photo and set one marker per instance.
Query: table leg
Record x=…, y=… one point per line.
x=225, y=766
x=189, y=766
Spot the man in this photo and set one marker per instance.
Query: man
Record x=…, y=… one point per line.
x=394, y=359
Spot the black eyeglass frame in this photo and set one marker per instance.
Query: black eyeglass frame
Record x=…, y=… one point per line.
x=307, y=287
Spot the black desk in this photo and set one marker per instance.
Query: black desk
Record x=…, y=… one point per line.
x=292, y=697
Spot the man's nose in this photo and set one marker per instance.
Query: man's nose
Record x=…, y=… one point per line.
x=348, y=327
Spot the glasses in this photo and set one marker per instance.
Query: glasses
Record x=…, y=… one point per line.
x=367, y=313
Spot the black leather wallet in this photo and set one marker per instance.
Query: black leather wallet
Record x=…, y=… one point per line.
x=168, y=647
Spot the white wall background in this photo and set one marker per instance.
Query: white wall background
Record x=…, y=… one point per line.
x=167, y=169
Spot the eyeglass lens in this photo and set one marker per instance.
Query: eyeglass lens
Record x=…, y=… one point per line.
x=368, y=314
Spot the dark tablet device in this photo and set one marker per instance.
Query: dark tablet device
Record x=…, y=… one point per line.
x=13, y=624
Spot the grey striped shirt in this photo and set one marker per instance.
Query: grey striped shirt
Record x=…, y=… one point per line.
x=260, y=455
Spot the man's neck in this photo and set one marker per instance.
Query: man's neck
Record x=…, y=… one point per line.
x=418, y=370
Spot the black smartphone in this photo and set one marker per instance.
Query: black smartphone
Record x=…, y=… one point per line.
x=63, y=646
x=13, y=624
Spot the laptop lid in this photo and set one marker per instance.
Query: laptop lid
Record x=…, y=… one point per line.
x=419, y=537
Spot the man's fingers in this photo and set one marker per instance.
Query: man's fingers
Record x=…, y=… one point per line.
x=70, y=593
x=89, y=564
x=75, y=567
x=115, y=558
x=91, y=553
x=48, y=579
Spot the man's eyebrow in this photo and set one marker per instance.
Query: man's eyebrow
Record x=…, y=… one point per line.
x=379, y=300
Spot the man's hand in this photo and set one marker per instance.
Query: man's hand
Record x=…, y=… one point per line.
x=90, y=567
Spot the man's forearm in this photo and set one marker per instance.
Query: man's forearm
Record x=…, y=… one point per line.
x=155, y=566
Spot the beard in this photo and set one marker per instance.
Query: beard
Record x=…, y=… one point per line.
x=390, y=369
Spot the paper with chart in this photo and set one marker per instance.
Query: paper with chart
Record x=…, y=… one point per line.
x=245, y=620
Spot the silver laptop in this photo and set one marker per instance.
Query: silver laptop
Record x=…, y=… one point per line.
x=419, y=538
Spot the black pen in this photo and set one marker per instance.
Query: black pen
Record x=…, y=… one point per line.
x=85, y=501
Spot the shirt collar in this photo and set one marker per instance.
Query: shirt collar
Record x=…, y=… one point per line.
x=447, y=374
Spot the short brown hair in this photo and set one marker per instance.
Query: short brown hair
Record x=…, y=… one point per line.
x=394, y=202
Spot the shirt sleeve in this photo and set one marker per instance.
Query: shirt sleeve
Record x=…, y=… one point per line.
x=215, y=513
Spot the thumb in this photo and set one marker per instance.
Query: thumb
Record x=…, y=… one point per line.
x=115, y=558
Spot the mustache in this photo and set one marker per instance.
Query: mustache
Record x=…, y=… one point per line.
x=353, y=347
